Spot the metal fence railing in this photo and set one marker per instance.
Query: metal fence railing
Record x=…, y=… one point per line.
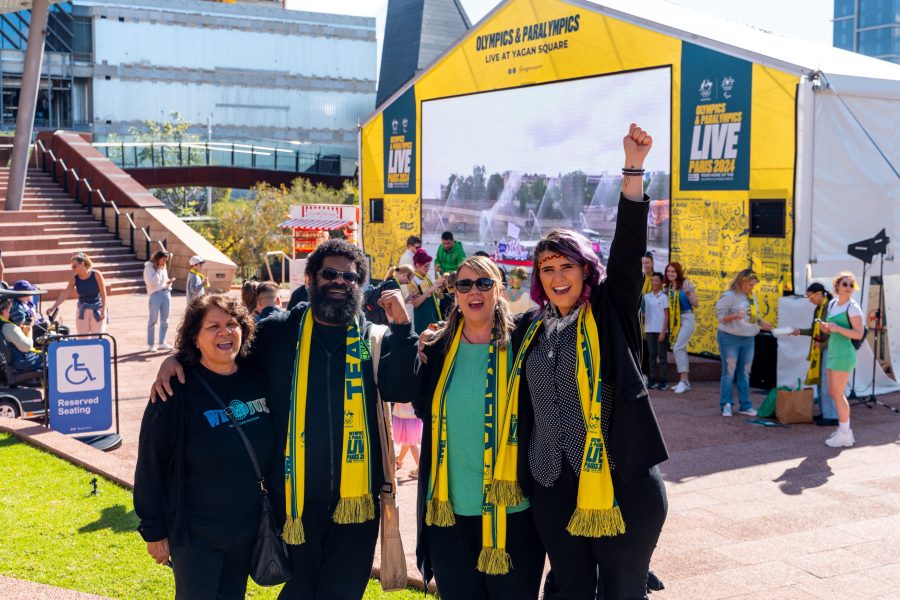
x=142, y=155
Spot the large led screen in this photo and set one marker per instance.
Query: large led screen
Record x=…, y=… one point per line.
x=500, y=169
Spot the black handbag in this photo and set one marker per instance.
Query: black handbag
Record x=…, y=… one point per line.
x=270, y=563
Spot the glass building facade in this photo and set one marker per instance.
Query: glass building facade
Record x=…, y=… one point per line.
x=870, y=27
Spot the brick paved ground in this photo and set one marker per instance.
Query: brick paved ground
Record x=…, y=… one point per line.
x=754, y=512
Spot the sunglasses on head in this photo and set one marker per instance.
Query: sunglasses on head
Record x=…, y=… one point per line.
x=332, y=274
x=482, y=283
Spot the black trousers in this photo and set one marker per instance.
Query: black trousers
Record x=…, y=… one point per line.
x=203, y=573
x=656, y=355
x=609, y=568
x=335, y=562
x=454, y=557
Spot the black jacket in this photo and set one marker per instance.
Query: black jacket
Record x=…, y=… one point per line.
x=274, y=350
x=635, y=440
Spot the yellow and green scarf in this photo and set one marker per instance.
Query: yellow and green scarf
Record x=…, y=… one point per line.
x=674, y=313
x=201, y=276
x=493, y=559
x=814, y=374
x=417, y=289
x=597, y=514
x=648, y=285
x=356, y=504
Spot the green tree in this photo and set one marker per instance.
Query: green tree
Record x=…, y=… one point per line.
x=246, y=229
x=494, y=186
x=185, y=201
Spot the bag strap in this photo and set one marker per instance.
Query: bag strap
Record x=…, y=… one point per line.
x=376, y=336
x=259, y=476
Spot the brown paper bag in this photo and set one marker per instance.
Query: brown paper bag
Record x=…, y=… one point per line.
x=795, y=406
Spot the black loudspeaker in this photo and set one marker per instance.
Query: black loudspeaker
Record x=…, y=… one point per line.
x=764, y=371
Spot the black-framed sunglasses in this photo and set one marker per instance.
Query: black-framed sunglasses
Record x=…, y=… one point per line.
x=846, y=283
x=482, y=283
x=332, y=274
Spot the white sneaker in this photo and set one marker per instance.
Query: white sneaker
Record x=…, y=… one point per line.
x=682, y=387
x=151, y=348
x=839, y=439
x=165, y=346
x=750, y=412
x=726, y=411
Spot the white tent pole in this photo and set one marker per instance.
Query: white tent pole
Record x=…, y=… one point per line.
x=804, y=177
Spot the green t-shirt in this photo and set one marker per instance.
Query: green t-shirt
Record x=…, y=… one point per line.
x=465, y=430
x=447, y=262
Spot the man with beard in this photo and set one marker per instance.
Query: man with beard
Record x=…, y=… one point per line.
x=322, y=392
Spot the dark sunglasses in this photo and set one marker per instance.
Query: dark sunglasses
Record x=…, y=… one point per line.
x=846, y=283
x=482, y=283
x=332, y=274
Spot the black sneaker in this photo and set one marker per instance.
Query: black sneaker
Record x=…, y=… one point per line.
x=662, y=385
x=651, y=385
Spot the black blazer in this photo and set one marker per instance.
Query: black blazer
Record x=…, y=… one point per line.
x=635, y=440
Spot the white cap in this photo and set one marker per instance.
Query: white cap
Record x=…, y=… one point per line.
x=196, y=260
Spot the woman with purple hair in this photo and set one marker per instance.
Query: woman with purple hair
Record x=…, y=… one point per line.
x=580, y=438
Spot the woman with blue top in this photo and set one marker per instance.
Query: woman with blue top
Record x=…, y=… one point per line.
x=682, y=302
x=90, y=286
x=844, y=324
x=473, y=549
x=739, y=322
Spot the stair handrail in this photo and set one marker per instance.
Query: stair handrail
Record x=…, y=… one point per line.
x=52, y=166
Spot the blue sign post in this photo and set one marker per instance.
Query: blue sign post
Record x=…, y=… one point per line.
x=80, y=395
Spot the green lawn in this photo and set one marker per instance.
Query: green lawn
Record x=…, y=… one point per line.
x=55, y=532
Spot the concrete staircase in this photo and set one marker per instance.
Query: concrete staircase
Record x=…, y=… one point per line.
x=38, y=241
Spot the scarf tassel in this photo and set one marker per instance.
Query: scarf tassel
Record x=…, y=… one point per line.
x=597, y=522
x=440, y=513
x=293, y=531
x=494, y=561
x=506, y=493
x=358, y=509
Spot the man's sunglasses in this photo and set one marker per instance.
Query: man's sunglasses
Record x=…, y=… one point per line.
x=482, y=283
x=332, y=274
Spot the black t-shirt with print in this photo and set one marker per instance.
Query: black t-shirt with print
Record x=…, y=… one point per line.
x=220, y=483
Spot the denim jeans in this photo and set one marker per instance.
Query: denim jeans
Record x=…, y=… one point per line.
x=823, y=396
x=737, y=357
x=159, y=311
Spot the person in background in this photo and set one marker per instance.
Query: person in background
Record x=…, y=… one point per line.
x=24, y=311
x=24, y=357
x=88, y=283
x=449, y=256
x=423, y=294
x=195, y=489
x=406, y=428
x=248, y=295
x=448, y=299
x=682, y=302
x=400, y=277
x=268, y=300
x=739, y=322
x=656, y=325
x=818, y=354
x=413, y=243
x=159, y=290
x=519, y=300
x=301, y=294
x=647, y=269
x=844, y=324
x=197, y=282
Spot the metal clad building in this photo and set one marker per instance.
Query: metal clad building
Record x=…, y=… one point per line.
x=257, y=71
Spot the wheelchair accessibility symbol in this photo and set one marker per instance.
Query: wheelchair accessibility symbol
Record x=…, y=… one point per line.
x=77, y=373
x=80, y=368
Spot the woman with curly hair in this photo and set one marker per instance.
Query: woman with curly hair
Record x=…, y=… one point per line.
x=195, y=488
